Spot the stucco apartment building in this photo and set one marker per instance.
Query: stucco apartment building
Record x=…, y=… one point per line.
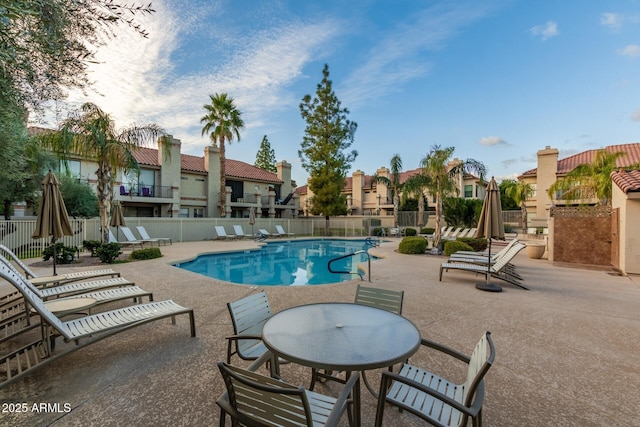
x=367, y=196
x=183, y=185
x=550, y=169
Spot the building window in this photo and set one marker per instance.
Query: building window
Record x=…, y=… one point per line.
x=198, y=212
x=184, y=213
x=468, y=191
x=71, y=168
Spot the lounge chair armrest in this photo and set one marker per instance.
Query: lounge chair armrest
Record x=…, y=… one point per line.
x=387, y=377
x=244, y=337
x=444, y=349
x=343, y=400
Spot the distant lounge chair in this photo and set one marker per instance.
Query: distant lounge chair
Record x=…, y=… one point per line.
x=112, y=239
x=240, y=232
x=264, y=233
x=222, y=233
x=84, y=330
x=281, y=231
x=128, y=234
x=145, y=236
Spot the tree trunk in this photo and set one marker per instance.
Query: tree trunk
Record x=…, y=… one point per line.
x=396, y=202
x=420, y=210
x=223, y=183
x=7, y=210
x=438, y=233
x=105, y=195
x=523, y=208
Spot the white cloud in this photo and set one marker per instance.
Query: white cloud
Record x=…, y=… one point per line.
x=546, y=31
x=611, y=20
x=632, y=50
x=493, y=140
x=635, y=116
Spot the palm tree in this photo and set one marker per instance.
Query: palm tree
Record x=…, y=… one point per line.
x=442, y=174
x=519, y=191
x=590, y=179
x=417, y=184
x=222, y=122
x=91, y=134
x=393, y=184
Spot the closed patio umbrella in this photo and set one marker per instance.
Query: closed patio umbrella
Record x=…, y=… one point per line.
x=117, y=218
x=53, y=219
x=490, y=226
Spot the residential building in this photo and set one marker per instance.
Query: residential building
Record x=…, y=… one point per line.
x=368, y=196
x=625, y=202
x=550, y=169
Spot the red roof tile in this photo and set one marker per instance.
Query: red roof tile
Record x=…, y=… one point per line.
x=237, y=169
x=568, y=164
x=627, y=180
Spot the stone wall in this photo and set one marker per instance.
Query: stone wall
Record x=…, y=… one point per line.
x=582, y=235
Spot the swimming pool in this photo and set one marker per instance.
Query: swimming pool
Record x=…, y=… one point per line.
x=286, y=263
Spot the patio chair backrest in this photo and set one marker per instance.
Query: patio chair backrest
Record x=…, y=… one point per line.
x=237, y=228
x=263, y=400
x=220, y=231
x=8, y=252
x=4, y=261
x=380, y=298
x=248, y=316
x=479, y=363
x=32, y=298
x=128, y=234
x=507, y=257
x=280, y=230
x=143, y=232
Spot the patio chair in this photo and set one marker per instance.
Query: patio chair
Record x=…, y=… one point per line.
x=83, y=331
x=131, y=239
x=446, y=232
x=373, y=297
x=252, y=399
x=395, y=232
x=145, y=236
x=498, y=269
x=222, y=233
x=435, y=399
x=248, y=316
x=283, y=233
x=112, y=239
x=264, y=233
x=455, y=234
x=240, y=232
x=75, y=276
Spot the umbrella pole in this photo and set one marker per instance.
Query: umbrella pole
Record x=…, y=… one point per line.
x=486, y=286
x=53, y=243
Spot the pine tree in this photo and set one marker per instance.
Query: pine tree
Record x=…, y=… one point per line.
x=327, y=136
x=266, y=157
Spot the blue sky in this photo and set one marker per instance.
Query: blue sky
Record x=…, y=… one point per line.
x=497, y=80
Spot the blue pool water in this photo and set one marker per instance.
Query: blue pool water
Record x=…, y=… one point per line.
x=286, y=263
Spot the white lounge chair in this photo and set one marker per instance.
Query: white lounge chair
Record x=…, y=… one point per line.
x=131, y=239
x=240, y=232
x=264, y=233
x=145, y=236
x=84, y=330
x=281, y=231
x=75, y=276
x=222, y=233
x=112, y=239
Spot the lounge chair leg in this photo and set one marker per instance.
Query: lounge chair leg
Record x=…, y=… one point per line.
x=192, y=321
x=440, y=280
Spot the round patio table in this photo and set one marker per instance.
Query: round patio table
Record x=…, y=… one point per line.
x=342, y=337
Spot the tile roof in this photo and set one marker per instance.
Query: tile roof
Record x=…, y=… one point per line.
x=628, y=181
x=568, y=164
x=234, y=168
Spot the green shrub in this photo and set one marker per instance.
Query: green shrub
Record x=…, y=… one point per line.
x=108, y=252
x=146, y=253
x=453, y=246
x=427, y=230
x=378, y=231
x=410, y=232
x=91, y=245
x=64, y=254
x=479, y=244
x=412, y=245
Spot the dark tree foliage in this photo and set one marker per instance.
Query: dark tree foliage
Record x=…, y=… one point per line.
x=81, y=201
x=460, y=212
x=266, y=156
x=328, y=135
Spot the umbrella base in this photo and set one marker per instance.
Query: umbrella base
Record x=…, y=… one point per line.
x=489, y=287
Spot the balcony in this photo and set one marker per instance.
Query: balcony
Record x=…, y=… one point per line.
x=150, y=191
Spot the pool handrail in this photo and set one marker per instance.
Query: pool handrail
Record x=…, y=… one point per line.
x=350, y=272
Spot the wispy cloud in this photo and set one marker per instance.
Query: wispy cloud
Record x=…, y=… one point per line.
x=611, y=20
x=394, y=60
x=635, y=116
x=632, y=51
x=546, y=31
x=493, y=140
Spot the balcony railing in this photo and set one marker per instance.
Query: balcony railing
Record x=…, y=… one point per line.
x=138, y=190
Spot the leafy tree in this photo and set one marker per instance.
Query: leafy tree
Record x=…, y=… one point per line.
x=590, y=180
x=519, y=192
x=442, y=174
x=417, y=185
x=328, y=134
x=46, y=44
x=393, y=184
x=79, y=198
x=460, y=212
x=266, y=157
x=91, y=134
x=222, y=122
x=507, y=203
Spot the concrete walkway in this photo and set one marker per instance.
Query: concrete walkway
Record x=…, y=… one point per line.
x=567, y=350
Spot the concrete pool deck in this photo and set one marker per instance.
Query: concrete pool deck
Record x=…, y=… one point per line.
x=567, y=350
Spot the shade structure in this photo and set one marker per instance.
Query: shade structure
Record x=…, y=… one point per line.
x=53, y=220
x=252, y=218
x=490, y=226
x=117, y=217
